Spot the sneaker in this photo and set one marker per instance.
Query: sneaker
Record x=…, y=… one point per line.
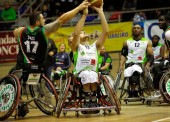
x=157, y=94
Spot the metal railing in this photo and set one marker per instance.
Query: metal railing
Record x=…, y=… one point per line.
x=23, y=21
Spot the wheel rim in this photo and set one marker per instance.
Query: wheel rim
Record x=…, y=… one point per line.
x=46, y=99
x=9, y=95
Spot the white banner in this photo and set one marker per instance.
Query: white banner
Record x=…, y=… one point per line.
x=151, y=28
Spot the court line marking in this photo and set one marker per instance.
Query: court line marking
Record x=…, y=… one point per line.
x=159, y=120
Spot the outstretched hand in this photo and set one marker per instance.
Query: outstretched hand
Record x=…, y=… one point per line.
x=98, y=8
x=85, y=4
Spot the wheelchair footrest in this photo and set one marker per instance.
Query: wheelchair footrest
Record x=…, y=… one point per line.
x=133, y=99
x=89, y=109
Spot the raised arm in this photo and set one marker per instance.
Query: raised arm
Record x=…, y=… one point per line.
x=105, y=29
x=77, y=31
x=53, y=26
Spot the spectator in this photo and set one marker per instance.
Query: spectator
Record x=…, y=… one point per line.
x=49, y=58
x=139, y=17
x=128, y=5
x=105, y=61
x=46, y=13
x=8, y=14
x=62, y=62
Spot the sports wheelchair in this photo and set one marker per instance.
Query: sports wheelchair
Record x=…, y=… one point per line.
x=164, y=85
x=73, y=98
x=143, y=82
x=23, y=86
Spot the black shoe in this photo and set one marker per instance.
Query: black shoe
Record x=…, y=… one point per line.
x=136, y=94
x=22, y=110
x=130, y=94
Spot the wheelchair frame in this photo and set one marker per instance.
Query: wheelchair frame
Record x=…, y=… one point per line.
x=141, y=89
x=164, y=86
x=39, y=93
x=76, y=101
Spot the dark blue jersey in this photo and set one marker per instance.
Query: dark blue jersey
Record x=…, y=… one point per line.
x=62, y=60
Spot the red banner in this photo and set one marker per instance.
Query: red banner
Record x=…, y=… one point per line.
x=8, y=47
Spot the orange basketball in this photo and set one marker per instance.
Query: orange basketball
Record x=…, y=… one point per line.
x=96, y=3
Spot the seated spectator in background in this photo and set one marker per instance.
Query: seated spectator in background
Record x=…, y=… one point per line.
x=62, y=62
x=128, y=5
x=8, y=14
x=49, y=58
x=139, y=17
x=105, y=61
x=142, y=15
x=46, y=13
x=158, y=13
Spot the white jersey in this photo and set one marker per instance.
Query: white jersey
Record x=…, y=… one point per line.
x=136, y=50
x=156, y=51
x=86, y=57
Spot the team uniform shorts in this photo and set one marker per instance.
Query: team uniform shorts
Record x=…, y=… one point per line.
x=88, y=77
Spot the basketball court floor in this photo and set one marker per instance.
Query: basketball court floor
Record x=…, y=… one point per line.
x=131, y=112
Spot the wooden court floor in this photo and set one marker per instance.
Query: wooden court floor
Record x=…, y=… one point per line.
x=131, y=112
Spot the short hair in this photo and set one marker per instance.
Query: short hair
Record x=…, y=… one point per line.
x=156, y=37
x=137, y=24
x=34, y=17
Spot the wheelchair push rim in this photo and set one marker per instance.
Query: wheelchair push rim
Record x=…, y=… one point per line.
x=9, y=96
x=164, y=86
x=46, y=99
x=112, y=95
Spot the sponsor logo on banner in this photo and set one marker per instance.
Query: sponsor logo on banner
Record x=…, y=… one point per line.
x=8, y=47
x=118, y=33
x=151, y=28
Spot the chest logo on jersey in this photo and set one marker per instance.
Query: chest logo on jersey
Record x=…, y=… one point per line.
x=82, y=53
x=139, y=58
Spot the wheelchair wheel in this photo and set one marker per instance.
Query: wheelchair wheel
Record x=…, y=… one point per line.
x=9, y=95
x=164, y=86
x=117, y=81
x=46, y=98
x=63, y=95
x=112, y=98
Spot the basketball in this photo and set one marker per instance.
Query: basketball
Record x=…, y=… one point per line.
x=167, y=35
x=96, y=3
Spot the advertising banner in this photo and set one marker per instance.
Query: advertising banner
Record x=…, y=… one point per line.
x=8, y=47
x=118, y=33
x=151, y=28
